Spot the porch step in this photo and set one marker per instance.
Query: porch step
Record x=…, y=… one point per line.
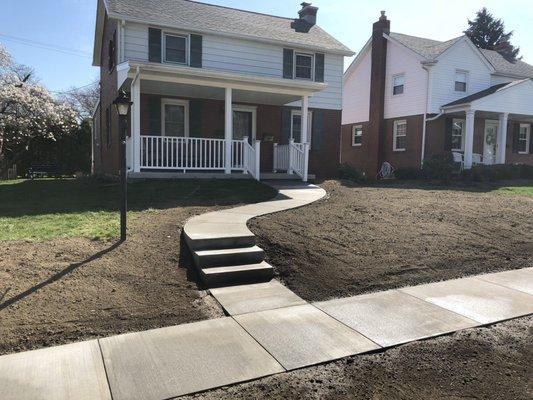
x=217, y=242
x=282, y=176
x=237, y=274
x=222, y=257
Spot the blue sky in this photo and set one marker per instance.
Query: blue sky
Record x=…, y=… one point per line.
x=69, y=24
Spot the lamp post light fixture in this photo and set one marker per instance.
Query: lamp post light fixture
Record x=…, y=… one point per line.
x=123, y=104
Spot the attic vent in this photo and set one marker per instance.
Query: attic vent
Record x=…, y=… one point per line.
x=306, y=18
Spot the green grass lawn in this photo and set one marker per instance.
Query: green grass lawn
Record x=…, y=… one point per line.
x=517, y=190
x=48, y=208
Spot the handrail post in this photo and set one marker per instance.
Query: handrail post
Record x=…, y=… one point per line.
x=306, y=161
x=257, y=165
x=274, y=157
x=291, y=145
x=244, y=155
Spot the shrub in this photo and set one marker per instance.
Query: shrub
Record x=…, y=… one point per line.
x=408, y=173
x=491, y=173
x=348, y=172
x=439, y=166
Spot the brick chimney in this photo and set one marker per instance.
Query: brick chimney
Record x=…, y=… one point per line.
x=306, y=18
x=376, y=123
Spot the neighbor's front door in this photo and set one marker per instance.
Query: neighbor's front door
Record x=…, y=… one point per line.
x=490, y=143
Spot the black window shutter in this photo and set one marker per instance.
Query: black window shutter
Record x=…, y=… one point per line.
x=531, y=139
x=319, y=67
x=154, y=45
x=154, y=115
x=288, y=60
x=317, y=133
x=112, y=51
x=285, y=125
x=516, y=135
x=196, y=51
x=195, y=117
x=448, y=124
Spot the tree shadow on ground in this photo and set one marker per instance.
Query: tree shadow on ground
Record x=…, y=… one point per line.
x=63, y=196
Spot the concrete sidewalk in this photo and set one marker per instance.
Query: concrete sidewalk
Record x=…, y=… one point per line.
x=270, y=330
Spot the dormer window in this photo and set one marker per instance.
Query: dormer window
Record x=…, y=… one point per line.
x=175, y=47
x=398, y=83
x=460, y=81
x=303, y=66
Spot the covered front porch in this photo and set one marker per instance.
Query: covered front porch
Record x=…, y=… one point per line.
x=189, y=121
x=492, y=126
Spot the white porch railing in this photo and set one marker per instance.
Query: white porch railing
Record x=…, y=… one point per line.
x=281, y=157
x=188, y=153
x=298, y=159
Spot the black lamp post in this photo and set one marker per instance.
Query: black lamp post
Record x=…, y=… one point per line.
x=123, y=104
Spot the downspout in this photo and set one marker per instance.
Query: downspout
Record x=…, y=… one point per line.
x=425, y=66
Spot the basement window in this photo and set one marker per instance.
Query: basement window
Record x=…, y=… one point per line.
x=398, y=83
x=460, y=81
x=399, y=140
x=357, y=135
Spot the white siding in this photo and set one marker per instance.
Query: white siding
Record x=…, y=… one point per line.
x=497, y=79
x=413, y=101
x=244, y=57
x=514, y=100
x=460, y=56
x=356, y=92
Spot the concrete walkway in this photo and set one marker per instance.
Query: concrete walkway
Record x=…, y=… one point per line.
x=269, y=330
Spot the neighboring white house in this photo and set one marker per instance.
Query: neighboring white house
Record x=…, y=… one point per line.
x=406, y=98
x=218, y=89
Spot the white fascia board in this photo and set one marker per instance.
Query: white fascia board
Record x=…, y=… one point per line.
x=456, y=108
x=347, y=53
x=210, y=78
x=355, y=62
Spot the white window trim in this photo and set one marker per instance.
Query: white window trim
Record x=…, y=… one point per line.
x=467, y=79
x=300, y=53
x=309, y=123
x=253, y=110
x=356, y=128
x=462, y=134
x=187, y=38
x=395, y=133
x=179, y=102
x=528, y=137
x=392, y=84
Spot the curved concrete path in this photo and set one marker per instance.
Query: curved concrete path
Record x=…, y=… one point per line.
x=223, y=247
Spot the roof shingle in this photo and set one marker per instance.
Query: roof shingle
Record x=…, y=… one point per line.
x=202, y=17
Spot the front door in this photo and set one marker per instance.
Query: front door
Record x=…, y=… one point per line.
x=490, y=143
x=244, y=123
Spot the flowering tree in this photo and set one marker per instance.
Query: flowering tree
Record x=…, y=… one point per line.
x=27, y=111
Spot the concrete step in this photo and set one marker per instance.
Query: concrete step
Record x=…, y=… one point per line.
x=237, y=274
x=215, y=242
x=223, y=257
x=273, y=176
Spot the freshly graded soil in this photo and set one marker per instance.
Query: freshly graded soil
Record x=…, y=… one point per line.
x=482, y=363
x=72, y=289
x=363, y=239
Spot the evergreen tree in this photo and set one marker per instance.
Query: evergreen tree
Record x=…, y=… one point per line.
x=486, y=32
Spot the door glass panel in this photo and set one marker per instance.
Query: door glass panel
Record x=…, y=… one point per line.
x=297, y=128
x=174, y=120
x=242, y=125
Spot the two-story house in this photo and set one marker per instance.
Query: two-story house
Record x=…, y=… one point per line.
x=217, y=90
x=406, y=98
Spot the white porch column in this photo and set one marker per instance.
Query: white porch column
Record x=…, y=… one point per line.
x=469, y=138
x=305, y=118
x=502, y=138
x=228, y=130
x=136, y=123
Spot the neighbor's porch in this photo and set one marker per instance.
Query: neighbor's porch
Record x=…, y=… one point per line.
x=189, y=121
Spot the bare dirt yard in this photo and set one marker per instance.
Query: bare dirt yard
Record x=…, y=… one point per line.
x=362, y=239
x=482, y=363
x=70, y=288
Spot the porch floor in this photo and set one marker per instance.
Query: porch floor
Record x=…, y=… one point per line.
x=213, y=175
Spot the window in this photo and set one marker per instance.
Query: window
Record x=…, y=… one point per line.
x=175, y=117
x=175, y=48
x=296, y=126
x=398, y=83
x=303, y=66
x=460, y=81
x=458, y=138
x=523, y=139
x=399, y=140
x=357, y=135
